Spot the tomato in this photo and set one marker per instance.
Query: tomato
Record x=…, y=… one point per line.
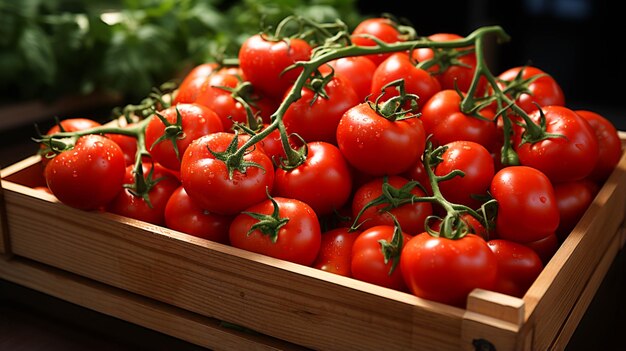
x=571, y=156
x=335, y=255
x=358, y=70
x=193, y=81
x=518, y=267
x=89, y=175
x=134, y=206
x=206, y=179
x=475, y=161
x=411, y=215
x=382, y=28
x=323, y=181
x=447, y=270
x=314, y=117
x=263, y=61
x=609, y=145
x=416, y=80
x=527, y=206
x=544, y=91
x=442, y=118
x=545, y=247
x=128, y=144
x=368, y=262
x=196, y=121
x=451, y=75
x=376, y=145
x=184, y=215
x=67, y=125
x=298, y=240
x=573, y=199
x=473, y=225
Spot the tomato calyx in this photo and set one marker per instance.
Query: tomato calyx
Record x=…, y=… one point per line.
x=444, y=58
x=243, y=93
x=393, y=109
x=143, y=184
x=172, y=131
x=267, y=224
x=534, y=133
x=391, y=250
x=233, y=158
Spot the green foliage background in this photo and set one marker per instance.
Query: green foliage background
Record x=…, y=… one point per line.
x=51, y=48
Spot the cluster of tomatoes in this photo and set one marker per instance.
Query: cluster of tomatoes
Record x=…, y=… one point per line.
x=370, y=168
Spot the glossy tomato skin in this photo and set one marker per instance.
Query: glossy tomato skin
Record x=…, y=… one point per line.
x=88, y=176
x=447, y=270
x=336, y=251
x=518, y=267
x=298, y=240
x=193, y=81
x=184, y=215
x=527, y=206
x=128, y=144
x=368, y=263
x=197, y=121
x=416, y=80
x=68, y=125
x=544, y=91
x=442, y=118
x=206, y=179
x=263, y=62
x=609, y=145
x=545, y=247
x=376, y=145
x=573, y=199
x=323, y=181
x=382, y=28
x=570, y=157
x=411, y=216
x=358, y=70
x=130, y=205
x=475, y=161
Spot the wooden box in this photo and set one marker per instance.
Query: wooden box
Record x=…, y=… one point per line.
x=197, y=290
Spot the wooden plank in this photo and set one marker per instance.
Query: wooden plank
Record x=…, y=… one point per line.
x=191, y=327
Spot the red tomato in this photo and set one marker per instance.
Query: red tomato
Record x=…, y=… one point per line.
x=473, y=225
x=88, y=176
x=315, y=118
x=298, y=240
x=442, y=118
x=475, y=161
x=68, y=125
x=196, y=121
x=184, y=215
x=609, y=145
x=323, y=181
x=358, y=70
x=447, y=270
x=263, y=62
x=410, y=215
x=416, y=80
x=376, y=145
x=191, y=85
x=573, y=199
x=518, y=267
x=527, y=206
x=545, y=247
x=570, y=157
x=368, y=262
x=382, y=28
x=335, y=255
x=206, y=178
x=128, y=144
x=133, y=206
x=544, y=91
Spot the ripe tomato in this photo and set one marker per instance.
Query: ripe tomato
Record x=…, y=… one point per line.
x=335, y=255
x=368, y=262
x=410, y=215
x=544, y=91
x=206, y=179
x=323, y=181
x=447, y=270
x=133, y=206
x=518, y=267
x=573, y=199
x=184, y=215
x=475, y=161
x=416, y=80
x=545, y=247
x=298, y=240
x=196, y=121
x=570, y=157
x=315, y=118
x=67, y=125
x=527, y=206
x=609, y=145
x=128, y=144
x=89, y=175
x=376, y=145
x=263, y=61
x=193, y=81
x=382, y=28
x=442, y=118
x=358, y=70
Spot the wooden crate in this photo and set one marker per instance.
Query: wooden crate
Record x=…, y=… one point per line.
x=189, y=288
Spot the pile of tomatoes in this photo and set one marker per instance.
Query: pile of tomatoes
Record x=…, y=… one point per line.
x=372, y=167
